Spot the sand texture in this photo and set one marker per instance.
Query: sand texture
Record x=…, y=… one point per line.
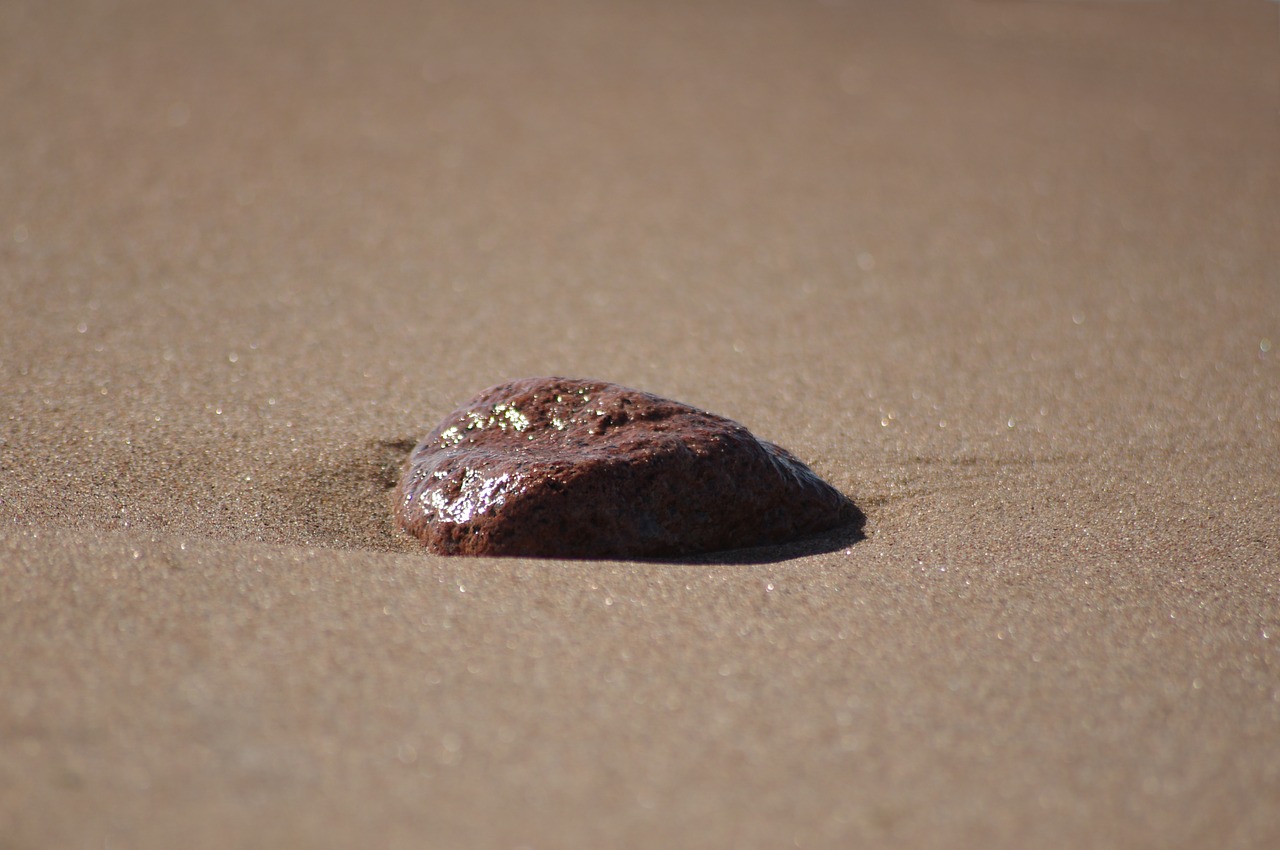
x=1006, y=273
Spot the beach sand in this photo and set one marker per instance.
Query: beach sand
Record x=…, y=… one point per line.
x=1008, y=274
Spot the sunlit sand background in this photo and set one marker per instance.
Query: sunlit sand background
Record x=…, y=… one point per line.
x=1006, y=273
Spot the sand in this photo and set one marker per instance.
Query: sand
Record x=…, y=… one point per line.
x=1006, y=273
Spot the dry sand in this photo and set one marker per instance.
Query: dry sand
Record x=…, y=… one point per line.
x=1007, y=273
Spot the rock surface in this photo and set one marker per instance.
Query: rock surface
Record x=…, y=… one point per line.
x=555, y=467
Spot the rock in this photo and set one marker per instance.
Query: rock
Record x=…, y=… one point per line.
x=563, y=468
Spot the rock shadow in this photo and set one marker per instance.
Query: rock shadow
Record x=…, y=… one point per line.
x=833, y=540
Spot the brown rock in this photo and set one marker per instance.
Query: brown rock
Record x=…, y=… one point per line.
x=587, y=469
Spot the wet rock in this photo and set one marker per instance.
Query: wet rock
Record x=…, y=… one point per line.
x=555, y=467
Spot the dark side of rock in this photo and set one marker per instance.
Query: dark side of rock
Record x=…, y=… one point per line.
x=562, y=468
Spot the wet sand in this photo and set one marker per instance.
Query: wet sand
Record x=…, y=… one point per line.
x=1008, y=274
